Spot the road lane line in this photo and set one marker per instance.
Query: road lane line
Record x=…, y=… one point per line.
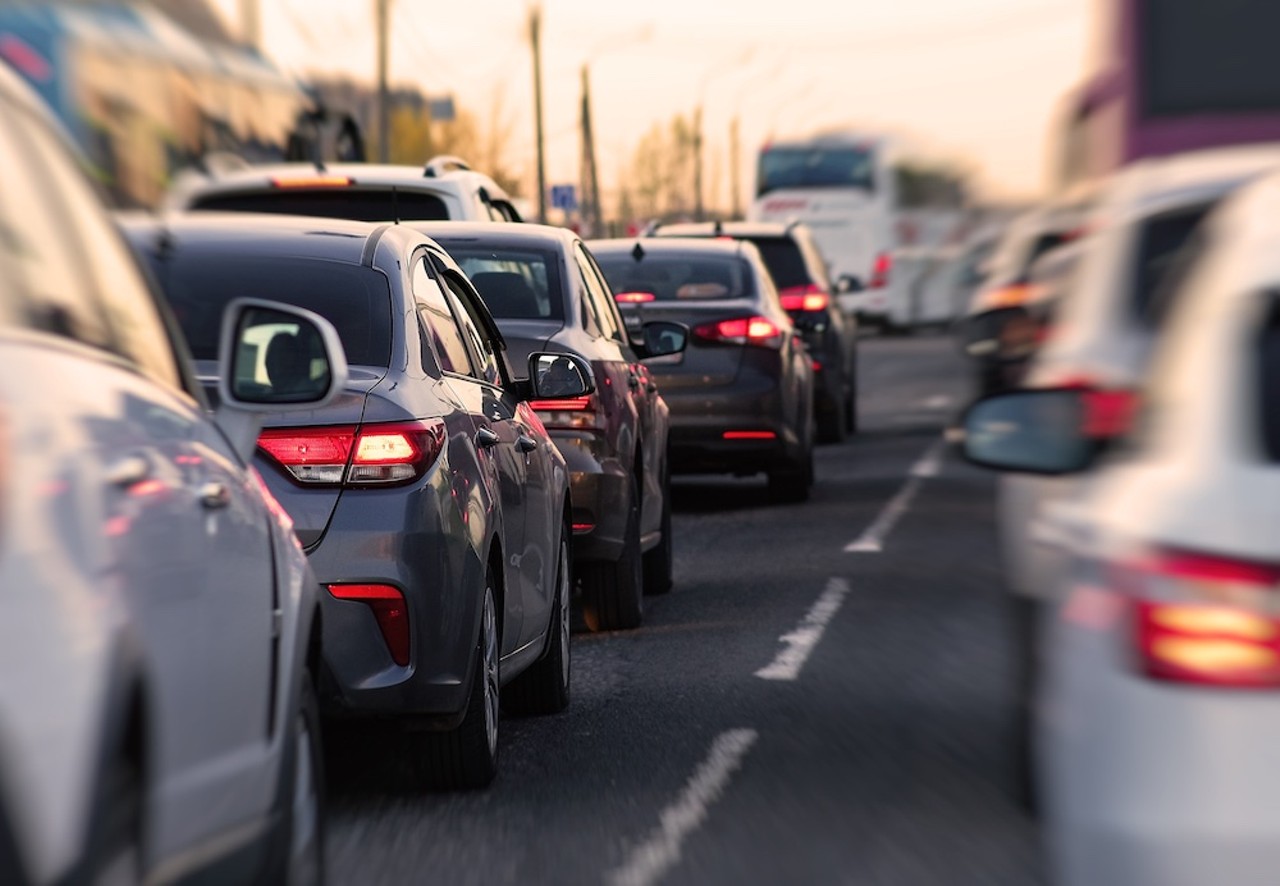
x=800, y=643
x=871, y=541
x=652, y=859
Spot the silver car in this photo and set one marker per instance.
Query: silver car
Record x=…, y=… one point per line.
x=159, y=627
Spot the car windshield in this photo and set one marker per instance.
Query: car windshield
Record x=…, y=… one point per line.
x=355, y=300
x=357, y=204
x=516, y=284
x=785, y=261
x=842, y=167
x=678, y=276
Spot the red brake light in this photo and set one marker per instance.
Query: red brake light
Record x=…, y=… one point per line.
x=571, y=413
x=804, y=298
x=312, y=181
x=372, y=454
x=1205, y=620
x=749, y=435
x=880, y=270
x=633, y=298
x=389, y=610
x=742, y=330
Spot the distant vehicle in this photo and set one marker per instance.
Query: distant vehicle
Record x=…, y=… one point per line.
x=843, y=186
x=443, y=189
x=1102, y=333
x=1160, y=656
x=791, y=254
x=546, y=293
x=741, y=395
x=159, y=627
x=430, y=500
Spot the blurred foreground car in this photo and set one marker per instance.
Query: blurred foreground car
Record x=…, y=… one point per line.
x=444, y=188
x=1161, y=687
x=432, y=504
x=1102, y=331
x=741, y=394
x=800, y=273
x=546, y=293
x=159, y=627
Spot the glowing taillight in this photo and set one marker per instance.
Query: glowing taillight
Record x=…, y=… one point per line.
x=569, y=413
x=880, y=270
x=389, y=610
x=373, y=454
x=1204, y=619
x=743, y=331
x=804, y=298
x=312, y=181
x=633, y=298
x=749, y=435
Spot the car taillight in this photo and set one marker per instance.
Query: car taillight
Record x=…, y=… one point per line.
x=1204, y=619
x=749, y=435
x=742, y=331
x=633, y=298
x=1108, y=412
x=367, y=455
x=312, y=181
x=569, y=413
x=880, y=270
x=389, y=610
x=804, y=298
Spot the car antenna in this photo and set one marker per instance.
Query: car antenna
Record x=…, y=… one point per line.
x=718, y=229
x=638, y=252
x=395, y=205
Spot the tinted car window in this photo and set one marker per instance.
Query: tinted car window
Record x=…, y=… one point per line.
x=784, y=260
x=597, y=292
x=679, y=277
x=1160, y=241
x=358, y=204
x=516, y=284
x=850, y=167
x=442, y=329
x=355, y=300
x=1268, y=356
x=483, y=352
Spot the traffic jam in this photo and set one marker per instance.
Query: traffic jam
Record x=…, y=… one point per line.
x=390, y=495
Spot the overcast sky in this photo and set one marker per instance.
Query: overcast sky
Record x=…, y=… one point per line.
x=976, y=80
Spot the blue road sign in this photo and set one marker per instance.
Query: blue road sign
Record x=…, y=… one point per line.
x=564, y=197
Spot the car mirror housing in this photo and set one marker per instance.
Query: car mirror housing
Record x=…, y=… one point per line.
x=274, y=358
x=662, y=338
x=559, y=376
x=1042, y=431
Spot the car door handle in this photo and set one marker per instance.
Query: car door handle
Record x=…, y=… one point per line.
x=128, y=471
x=486, y=437
x=214, y=495
x=525, y=443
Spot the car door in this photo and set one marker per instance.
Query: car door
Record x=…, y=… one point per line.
x=534, y=570
x=185, y=541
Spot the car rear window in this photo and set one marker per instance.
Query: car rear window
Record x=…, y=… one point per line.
x=785, y=261
x=516, y=284
x=1161, y=242
x=354, y=299
x=357, y=204
x=678, y=277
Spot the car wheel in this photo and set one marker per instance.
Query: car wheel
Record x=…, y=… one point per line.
x=467, y=757
x=116, y=853
x=544, y=687
x=613, y=593
x=851, y=407
x=658, y=563
x=791, y=484
x=298, y=859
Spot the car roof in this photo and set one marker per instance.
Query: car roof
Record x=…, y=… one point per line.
x=673, y=246
x=1167, y=183
x=727, y=229
x=255, y=234
x=504, y=233
x=400, y=175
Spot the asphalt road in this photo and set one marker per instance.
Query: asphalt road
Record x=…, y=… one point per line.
x=791, y=713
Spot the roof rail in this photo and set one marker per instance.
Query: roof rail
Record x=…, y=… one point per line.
x=438, y=166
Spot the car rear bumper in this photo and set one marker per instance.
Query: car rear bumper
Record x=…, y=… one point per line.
x=600, y=492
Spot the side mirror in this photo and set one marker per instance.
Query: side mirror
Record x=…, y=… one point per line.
x=1042, y=431
x=848, y=284
x=662, y=338
x=274, y=358
x=559, y=376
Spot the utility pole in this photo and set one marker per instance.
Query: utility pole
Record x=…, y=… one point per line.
x=535, y=42
x=250, y=24
x=698, y=212
x=735, y=182
x=592, y=212
x=382, y=18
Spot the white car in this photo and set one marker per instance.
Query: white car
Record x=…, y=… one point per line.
x=444, y=189
x=1160, y=699
x=158, y=622
x=1102, y=332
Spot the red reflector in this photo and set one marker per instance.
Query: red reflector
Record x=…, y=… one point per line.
x=312, y=181
x=750, y=435
x=565, y=404
x=389, y=611
x=804, y=298
x=633, y=298
x=817, y=366
x=583, y=527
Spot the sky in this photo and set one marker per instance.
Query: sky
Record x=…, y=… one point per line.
x=976, y=82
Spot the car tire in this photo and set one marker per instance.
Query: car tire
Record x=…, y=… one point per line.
x=791, y=484
x=832, y=423
x=659, y=562
x=115, y=855
x=613, y=593
x=544, y=687
x=851, y=407
x=298, y=857
x=466, y=758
